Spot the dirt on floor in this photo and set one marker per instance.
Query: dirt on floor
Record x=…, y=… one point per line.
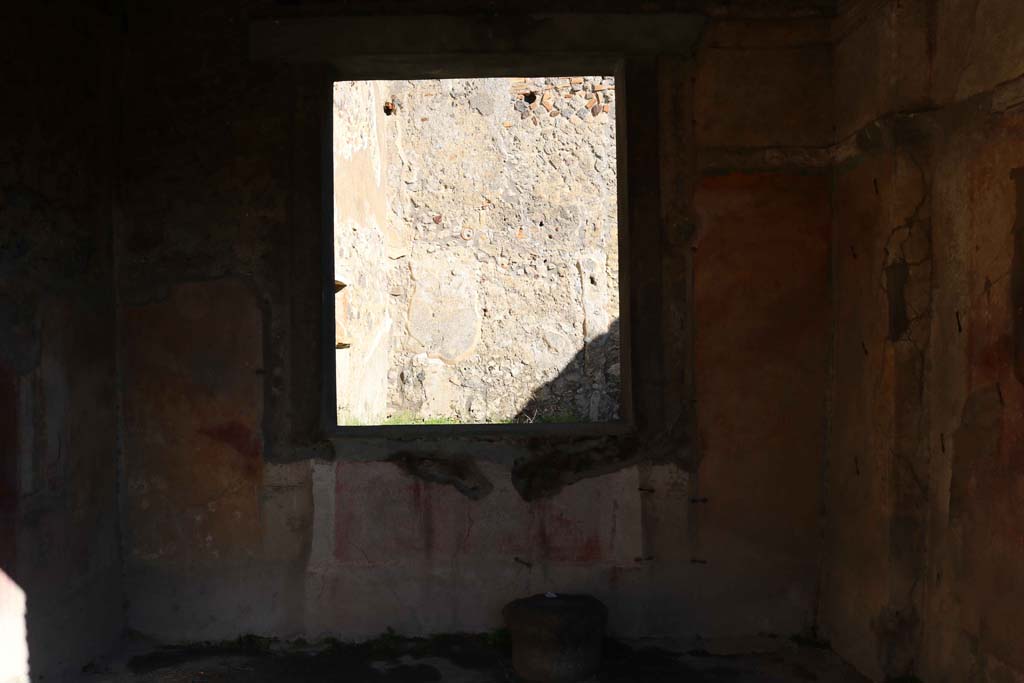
x=461, y=658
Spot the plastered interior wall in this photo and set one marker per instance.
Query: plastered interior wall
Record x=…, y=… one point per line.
x=762, y=317
x=365, y=241
x=867, y=486
x=922, y=573
x=289, y=549
x=60, y=570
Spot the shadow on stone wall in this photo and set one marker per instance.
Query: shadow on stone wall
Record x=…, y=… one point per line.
x=587, y=389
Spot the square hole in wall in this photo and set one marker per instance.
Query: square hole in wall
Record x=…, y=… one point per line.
x=476, y=251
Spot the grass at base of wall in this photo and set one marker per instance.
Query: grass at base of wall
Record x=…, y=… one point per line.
x=411, y=419
x=405, y=419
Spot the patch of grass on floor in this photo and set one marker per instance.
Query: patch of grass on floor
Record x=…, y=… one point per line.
x=412, y=419
x=398, y=419
x=406, y=419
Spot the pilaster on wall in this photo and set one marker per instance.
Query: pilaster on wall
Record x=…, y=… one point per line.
x=878, y=447
x=928, y=125
x=760, y=255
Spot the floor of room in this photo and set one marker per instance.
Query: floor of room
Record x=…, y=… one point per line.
x=464, y=659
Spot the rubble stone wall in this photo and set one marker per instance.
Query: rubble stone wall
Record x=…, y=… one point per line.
x=503, y=267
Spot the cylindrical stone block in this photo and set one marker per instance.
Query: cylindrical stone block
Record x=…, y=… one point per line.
x=556, y=639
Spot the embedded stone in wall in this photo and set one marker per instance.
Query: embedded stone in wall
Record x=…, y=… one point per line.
x=426, y=388
x=444, y=315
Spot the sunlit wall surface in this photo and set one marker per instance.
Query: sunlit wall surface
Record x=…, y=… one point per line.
x=13, y=644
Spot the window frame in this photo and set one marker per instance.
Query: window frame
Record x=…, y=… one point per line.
x=477, y=66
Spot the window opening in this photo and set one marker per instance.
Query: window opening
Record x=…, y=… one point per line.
x=476, y=251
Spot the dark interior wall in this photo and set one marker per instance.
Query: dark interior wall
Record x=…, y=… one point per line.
x=220, y=290
x=720, y=9
x=972, y=616
x=212, y=218
x=58, y=427
x=923, y=556
x=761, y=288
x=762, y=316
x=219, y=284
